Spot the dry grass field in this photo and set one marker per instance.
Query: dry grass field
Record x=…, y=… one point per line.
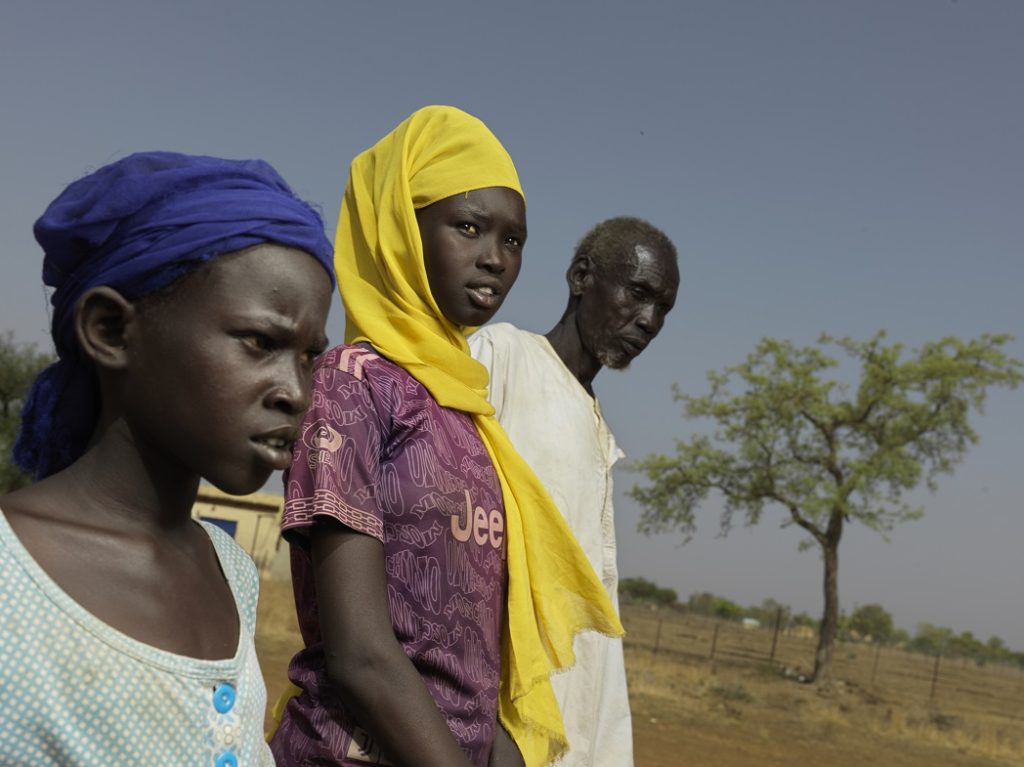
x=739, y=709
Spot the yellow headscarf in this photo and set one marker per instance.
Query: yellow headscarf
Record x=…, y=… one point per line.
x=552, y=589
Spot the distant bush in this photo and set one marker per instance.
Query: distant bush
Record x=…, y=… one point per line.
x=873, y=621
x=769, y=611
x=803, y=619
x=866, y=621
x=713, y=606
x=938, y=640
x=643, y=590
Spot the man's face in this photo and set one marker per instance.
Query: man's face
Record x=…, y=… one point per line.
x=622, y=309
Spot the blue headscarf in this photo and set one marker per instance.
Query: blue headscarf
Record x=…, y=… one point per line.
x=137, y=225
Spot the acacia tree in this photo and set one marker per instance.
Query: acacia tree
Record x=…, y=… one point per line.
x=824, y=453
x=19, y=364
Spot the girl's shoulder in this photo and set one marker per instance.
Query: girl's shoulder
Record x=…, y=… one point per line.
x=239, y=570
x=358, y=361
x=234, y=560
x=359, y=372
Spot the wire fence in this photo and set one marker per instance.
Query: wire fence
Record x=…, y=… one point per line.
x=952, y=684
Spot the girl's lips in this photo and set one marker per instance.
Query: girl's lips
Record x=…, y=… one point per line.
x=273, y=451
x=484, y=297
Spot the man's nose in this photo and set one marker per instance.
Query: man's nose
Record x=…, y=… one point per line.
x=650, y=320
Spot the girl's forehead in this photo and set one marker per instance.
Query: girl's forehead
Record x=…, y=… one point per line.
x=485, y=201
x=268, y=274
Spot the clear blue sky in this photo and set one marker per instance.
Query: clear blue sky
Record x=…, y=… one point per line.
x=821, y=166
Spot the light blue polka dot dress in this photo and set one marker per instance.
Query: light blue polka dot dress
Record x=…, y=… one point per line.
x=74, y=691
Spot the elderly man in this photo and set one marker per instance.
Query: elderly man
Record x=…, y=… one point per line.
x=622, y=283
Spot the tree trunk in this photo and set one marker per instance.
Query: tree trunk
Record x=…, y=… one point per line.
x=830, y=617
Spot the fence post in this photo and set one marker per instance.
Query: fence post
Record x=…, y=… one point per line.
x=775, y=636
x=874, y=667
x=657, y=636
x=1020, y=687
x=935, y=678
x=714, y=641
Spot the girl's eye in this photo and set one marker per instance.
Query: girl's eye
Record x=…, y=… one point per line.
x=515, y=242
x=469, y=228
x=259, y=341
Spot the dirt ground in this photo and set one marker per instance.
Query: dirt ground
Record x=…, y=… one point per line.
x=743, y=715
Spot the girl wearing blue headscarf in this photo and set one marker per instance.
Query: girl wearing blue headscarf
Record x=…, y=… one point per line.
x=189, y=301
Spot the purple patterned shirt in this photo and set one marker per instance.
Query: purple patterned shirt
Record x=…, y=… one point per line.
x=379, y=455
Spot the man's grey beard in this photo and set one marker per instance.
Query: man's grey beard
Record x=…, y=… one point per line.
x=613, y=361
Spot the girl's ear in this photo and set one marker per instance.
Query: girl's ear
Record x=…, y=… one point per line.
x=580, y=274
x=103, y=322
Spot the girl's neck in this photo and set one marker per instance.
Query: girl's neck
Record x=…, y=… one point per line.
x=114, y=478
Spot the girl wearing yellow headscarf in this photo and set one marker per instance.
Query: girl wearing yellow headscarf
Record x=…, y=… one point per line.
x=436, y=583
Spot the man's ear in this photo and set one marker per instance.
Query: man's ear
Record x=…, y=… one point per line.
x=580, y=274
x=103, y=321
